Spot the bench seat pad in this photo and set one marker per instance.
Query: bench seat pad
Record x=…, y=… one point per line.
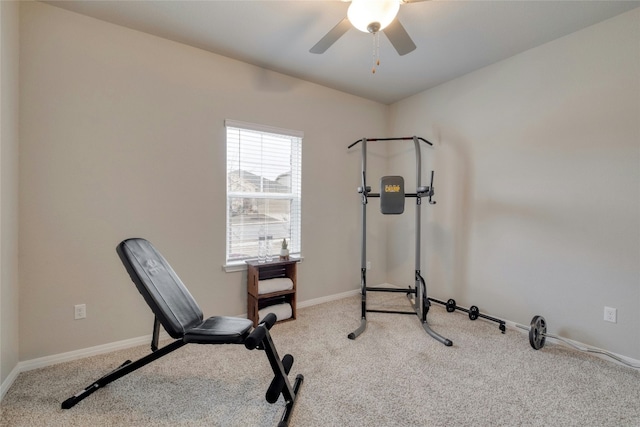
x=219, y=330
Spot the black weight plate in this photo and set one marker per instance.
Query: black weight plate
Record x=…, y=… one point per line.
x=537, y=332
x=473, y=312
x=451, y=305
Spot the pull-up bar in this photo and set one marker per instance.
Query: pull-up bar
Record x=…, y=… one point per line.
x=392, y=188
x=392, y=197
x=404, y=138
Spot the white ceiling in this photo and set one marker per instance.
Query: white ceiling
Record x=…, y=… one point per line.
x=452, y=37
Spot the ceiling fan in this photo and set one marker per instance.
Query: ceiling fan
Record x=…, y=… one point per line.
x=371, y=16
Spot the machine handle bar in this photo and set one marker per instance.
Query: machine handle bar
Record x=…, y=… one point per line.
x=390, y=139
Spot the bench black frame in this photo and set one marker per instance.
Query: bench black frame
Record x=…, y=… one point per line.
x=176, y=310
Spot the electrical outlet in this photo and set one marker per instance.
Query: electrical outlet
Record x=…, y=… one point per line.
x=610, y=314
x=80, y=311
x=368, y=265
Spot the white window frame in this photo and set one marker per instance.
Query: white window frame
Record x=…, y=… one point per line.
x=295, y=243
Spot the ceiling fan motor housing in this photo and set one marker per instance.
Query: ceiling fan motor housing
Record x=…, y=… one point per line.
x=373, y=27
x=372, y=15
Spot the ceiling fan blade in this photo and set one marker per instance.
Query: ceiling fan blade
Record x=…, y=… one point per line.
x=331, y=37
x=399, y=38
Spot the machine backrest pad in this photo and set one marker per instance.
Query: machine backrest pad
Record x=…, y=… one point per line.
x=161, y=288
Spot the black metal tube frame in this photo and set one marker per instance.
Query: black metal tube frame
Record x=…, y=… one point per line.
x=421, y=302
x=126, y=368
x=501, y=323
x=403, y=138
x=288, y=391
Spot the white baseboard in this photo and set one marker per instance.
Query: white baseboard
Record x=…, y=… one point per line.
x=42, y=362
x=595, y=351
x=54, y=359
x=328, y=298
x=8, y=382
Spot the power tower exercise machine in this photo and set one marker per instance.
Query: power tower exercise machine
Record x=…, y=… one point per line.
x=392, y=199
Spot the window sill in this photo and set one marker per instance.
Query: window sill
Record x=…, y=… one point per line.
x=236, y=266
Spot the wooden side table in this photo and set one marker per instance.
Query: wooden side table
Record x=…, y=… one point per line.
x=264, y=271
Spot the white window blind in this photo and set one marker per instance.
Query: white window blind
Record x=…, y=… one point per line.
x=263, y=189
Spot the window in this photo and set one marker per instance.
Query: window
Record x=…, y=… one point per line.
x=263, y=189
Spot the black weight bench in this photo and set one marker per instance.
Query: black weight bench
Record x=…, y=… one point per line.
x=176, y=310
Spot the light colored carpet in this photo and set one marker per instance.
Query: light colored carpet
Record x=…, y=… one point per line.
x=392, y=375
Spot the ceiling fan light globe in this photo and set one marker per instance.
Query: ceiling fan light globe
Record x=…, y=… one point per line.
x=366, y=15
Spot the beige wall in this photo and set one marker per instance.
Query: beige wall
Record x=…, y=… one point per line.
x=9, y=95
x=537, y=165
x=122, y=134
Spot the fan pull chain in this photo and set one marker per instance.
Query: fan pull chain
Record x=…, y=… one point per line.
x=376, y=52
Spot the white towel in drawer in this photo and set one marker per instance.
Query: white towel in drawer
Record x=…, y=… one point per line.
x=282, y=311
x=274, y=285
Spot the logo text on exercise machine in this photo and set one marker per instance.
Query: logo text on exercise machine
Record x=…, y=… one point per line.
x=391, y=188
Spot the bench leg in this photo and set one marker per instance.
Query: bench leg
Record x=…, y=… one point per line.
x=280, y=383
x=124, y=369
